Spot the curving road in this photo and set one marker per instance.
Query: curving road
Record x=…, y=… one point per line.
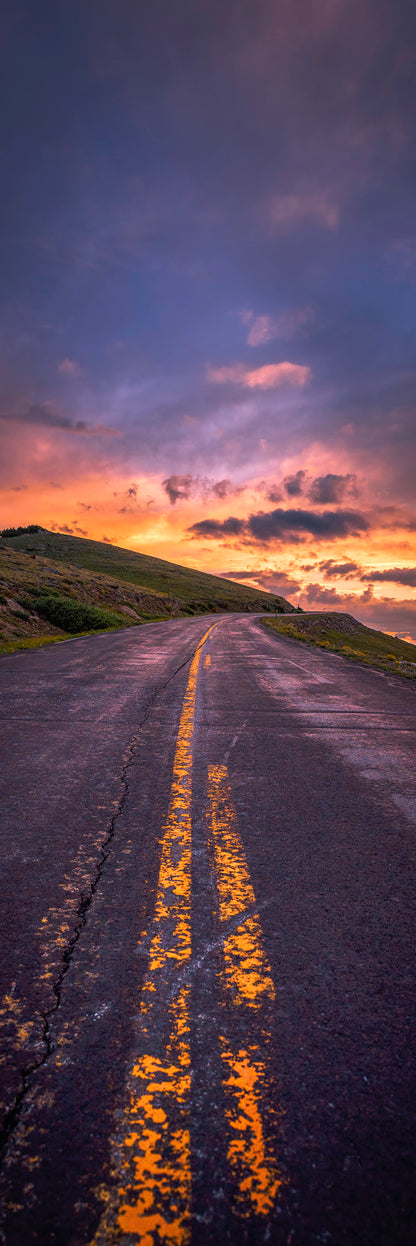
x=208, y=978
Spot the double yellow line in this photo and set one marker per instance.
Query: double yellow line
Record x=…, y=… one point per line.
x=151, y=1198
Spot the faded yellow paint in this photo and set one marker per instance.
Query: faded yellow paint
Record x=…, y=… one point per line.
x=250, y=1155
x=247, y=969
x=154, y=1204
x=246, y=966
x=207, y=660
x=151, y=1151
x=248, y=985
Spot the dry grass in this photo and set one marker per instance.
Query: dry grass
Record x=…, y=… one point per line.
x=26, y=581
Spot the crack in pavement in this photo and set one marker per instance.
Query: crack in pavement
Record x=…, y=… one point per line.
x=12, y=1116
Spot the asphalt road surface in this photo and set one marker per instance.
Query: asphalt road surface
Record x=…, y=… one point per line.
x=208, y=970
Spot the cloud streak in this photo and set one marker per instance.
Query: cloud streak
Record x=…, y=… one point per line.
x=44, y=415
x=391, y=575
x=290, y=211
x=344, y=570
x=270, y=376
x=265, y=329
x=273, y=581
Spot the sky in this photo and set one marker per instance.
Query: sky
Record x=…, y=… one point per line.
x=207, y=315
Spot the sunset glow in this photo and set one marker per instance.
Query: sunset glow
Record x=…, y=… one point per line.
x=209, y=272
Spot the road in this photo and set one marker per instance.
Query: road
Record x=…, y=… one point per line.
x=208, y=977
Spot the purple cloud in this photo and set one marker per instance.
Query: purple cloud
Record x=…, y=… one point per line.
x=332, y=488
x=392, y=575
x=294, y=484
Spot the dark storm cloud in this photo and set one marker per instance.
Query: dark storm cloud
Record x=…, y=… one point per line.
x=274, y=494
x=272, y=581
x=392, y=575
x=187, y=486
x=61, y=527
x=74, y=531
x=332, y=488
x=222, y=488
x=334, y=570
x=217, y=527
x=319, y=595
x=43, y=415
x=294, y=484
x=130, y=498
x=177, y=487
x=285, y=525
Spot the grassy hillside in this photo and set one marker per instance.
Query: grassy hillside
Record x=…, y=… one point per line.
x=53, y=585
x=195, y=589
x=341, y=633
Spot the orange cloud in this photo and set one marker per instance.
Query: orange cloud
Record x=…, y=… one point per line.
x=270, y=376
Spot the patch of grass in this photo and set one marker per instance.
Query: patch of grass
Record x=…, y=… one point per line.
x=341, y=633
x=74, y=616
x=30, y=642
x=37, y=642
x=26, y=580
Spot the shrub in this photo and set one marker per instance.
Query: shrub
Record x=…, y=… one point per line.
x=32, y=527
x=72, y=615
x=24, y=601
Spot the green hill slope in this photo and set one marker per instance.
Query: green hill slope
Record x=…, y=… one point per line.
x=51, y=585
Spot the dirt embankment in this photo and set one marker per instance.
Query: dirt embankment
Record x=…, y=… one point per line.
x=342, y=634
x=316, y=622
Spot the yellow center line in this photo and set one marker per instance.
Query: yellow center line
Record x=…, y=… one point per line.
x=151, y=1154
x=248, y=986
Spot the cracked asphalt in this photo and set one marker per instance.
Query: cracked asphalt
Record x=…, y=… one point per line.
x=208, y=978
